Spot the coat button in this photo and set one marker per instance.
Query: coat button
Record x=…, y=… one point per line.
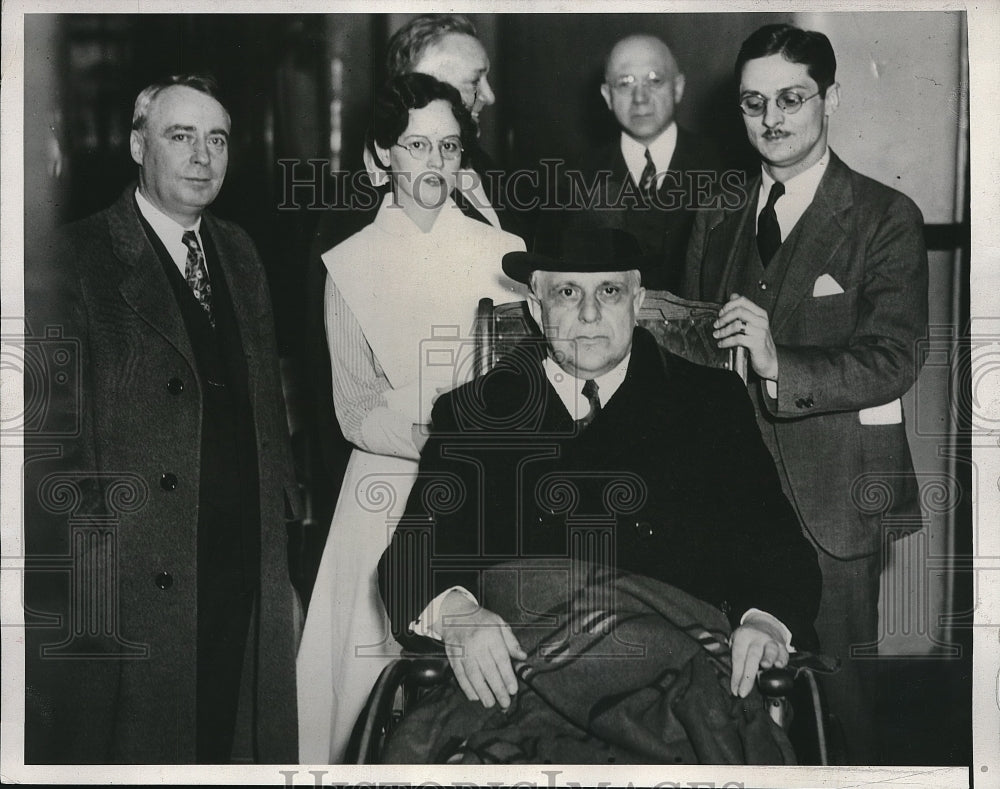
x=644, y=530
x=163, y=580
x=175, y=386
x=762, y=285
x=168, y=481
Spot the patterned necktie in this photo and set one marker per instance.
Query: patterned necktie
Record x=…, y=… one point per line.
x=768, y=229
x=590, y=392
x=196, y=273
x=647, y=180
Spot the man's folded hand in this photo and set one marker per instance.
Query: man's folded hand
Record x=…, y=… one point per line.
x=480, y=646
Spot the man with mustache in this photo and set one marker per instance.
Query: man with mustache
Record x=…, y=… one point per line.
x=824, y=278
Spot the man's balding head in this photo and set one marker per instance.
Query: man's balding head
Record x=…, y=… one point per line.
x=642, y=86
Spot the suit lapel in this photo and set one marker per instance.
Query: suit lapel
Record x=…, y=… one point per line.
x=145, y=286
x=823, y=231
x=724, y=264
x=615, y=164
x=642, y=406
x=244, y=283
x=682, y=159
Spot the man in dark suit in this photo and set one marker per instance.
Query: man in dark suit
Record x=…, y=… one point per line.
x=167, y=504
x=596, y=428
x=446, y=47
x=833, y=275
x=651, y=180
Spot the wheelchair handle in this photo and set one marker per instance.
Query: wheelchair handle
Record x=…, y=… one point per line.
x=776, y=682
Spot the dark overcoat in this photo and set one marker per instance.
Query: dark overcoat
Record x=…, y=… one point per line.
x=671, y=480
x=126, y=442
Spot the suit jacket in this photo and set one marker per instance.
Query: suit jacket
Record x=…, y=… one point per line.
x=663, y=227
x=131, y=453
x=838, y=354
x=670, y=480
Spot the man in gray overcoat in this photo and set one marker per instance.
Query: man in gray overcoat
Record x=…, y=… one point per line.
x=158, y=609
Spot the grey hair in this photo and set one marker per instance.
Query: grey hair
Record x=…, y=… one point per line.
x=201, y=83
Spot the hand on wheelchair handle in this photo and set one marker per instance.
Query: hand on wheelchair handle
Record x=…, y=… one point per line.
x=755, y=645
x=479, y=645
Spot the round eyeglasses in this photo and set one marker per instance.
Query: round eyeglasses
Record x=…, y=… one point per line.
x=651, y=81
x=789, y=102
x=420, y=148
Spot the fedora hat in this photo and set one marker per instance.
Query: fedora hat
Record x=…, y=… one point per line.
x=576, y=243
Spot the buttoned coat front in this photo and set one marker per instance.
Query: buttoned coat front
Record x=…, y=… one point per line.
x=127, y=694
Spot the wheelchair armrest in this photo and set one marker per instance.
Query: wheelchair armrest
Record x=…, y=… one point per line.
x=426, y=671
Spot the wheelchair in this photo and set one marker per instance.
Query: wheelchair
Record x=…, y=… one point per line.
x=684, y=328
x=405, y=681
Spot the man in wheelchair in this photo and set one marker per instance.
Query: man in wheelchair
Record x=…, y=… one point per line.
x=599, y=539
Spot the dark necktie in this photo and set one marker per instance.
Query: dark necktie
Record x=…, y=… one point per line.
x=647, y=180
x=196, y=273
x=768, y=229
x=590, y=392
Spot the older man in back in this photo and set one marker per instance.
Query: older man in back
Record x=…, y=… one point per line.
x=651, y=179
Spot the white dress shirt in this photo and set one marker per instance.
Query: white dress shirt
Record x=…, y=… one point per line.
x=799, y=194
x=570, y=388
x=169, y=232
x=661, y=151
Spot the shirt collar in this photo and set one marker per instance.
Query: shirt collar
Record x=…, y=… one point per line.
x=802, y=188
x=570, y=388
x=661, y=149
x=166, y=228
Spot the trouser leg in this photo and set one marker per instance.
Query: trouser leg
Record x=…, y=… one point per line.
x=848, y=619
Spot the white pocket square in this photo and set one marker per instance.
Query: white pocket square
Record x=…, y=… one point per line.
x=826, y=286
x=888, y=414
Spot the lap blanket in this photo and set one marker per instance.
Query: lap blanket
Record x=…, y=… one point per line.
x=620, y=669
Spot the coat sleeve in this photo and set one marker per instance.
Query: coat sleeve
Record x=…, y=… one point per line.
x=770, y=563
x=442, y=520
x=886, y=313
